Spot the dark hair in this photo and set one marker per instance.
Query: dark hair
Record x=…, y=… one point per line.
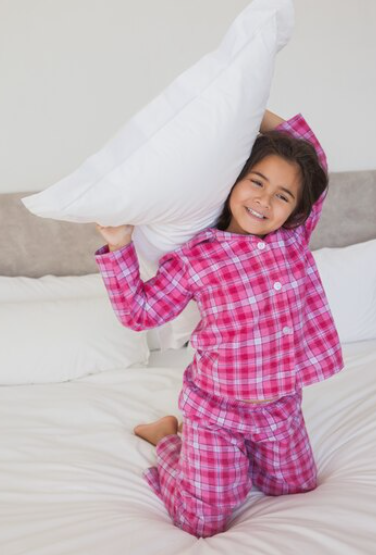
x=314, y=179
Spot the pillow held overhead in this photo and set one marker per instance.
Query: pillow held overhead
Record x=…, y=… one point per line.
x=170, y=168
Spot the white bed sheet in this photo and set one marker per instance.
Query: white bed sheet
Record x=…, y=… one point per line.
x=70, y=469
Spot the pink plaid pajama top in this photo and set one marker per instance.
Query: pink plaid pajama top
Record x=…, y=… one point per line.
x=266, y=327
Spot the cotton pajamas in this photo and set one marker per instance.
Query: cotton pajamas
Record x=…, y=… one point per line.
x=266, y=327
x=266, y=331
x=226, y=447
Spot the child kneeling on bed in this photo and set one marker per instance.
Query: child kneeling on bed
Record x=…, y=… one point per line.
x=266, y=332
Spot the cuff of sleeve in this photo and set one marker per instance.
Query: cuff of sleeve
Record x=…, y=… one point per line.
x=105, y=250
x=124, y=258
x=298, y=127
x=286, y=125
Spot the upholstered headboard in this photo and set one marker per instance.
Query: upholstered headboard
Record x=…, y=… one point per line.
x=33, y=247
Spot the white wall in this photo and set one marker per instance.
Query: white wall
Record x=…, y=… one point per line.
x=73, y=71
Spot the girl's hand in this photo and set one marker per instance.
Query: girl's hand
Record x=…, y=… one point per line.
x=270, y=121
x=116, y=237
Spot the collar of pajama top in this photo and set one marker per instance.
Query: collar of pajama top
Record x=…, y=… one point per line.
x=266, y=328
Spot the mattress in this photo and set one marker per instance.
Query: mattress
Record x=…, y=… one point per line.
x=71, y=469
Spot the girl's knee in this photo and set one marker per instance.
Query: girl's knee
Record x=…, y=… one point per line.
x=202, y=518
x=309, y=485
x=276, y=487
x=201, y=527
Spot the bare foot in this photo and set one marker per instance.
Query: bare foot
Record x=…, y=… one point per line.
x=155, y=431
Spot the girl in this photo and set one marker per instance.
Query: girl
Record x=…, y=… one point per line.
x=266, y=331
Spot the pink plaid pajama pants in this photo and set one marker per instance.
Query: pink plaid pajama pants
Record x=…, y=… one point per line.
x=226, y=447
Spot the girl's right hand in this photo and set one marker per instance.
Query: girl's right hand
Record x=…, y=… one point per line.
x=116, y=237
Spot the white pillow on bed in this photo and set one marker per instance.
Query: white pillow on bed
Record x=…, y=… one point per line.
x=349, y=278
x=170, y=168
x=55, y=329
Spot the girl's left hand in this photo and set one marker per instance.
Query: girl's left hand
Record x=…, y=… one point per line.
x=116, y=237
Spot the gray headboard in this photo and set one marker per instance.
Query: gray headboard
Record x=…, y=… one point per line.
x=33, y=247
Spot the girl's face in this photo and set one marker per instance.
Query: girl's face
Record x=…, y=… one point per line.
x=265, y=198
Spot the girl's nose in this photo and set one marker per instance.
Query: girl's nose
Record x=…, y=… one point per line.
x=264, y=200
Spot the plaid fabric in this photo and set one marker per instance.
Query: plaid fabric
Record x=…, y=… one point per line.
x=266, y=327
x=299, y=128
x=227, y=447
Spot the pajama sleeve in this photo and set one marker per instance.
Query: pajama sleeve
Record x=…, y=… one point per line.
x=299, y=128
x=143, y=305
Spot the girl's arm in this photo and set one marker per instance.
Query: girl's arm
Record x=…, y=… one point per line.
x=270, y=121
x=143, y=305
x=298, y=127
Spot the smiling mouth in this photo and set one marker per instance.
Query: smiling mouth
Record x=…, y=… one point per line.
x=255, y=214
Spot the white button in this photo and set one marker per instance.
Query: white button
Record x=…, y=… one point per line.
x=277, y=286
x=287, y=330
x=261, y=245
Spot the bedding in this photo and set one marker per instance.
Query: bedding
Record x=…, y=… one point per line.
x=349, y=278
x=58, y=328
x=70, y=469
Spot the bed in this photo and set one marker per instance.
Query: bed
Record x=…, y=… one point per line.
x=70, y=466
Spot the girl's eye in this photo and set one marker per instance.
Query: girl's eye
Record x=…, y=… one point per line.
x=283, y=198
x=259, y=184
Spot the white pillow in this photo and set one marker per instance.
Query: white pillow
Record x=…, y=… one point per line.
x=55, y=329
x=349, y=278
x=170, y=168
